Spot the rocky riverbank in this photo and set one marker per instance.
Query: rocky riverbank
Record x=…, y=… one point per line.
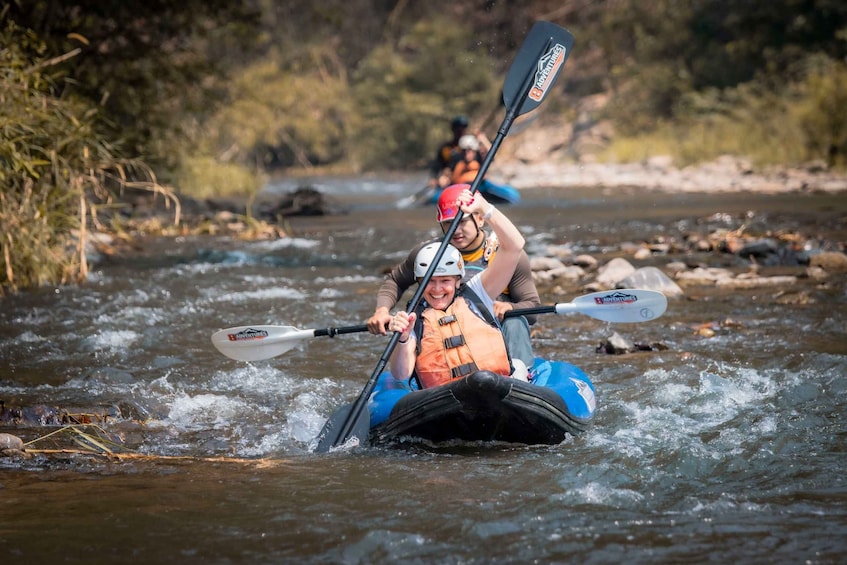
x=726, y=174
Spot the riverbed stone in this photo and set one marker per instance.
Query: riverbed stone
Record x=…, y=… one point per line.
x=704, y=276
x=544, y=263
x=616, y=344
x=613, y=272
x=829, y=261
x=742, y=282
x=9, y=441
x=587, y=262
x=642, y=253
x=565, y=272
x=651, y=278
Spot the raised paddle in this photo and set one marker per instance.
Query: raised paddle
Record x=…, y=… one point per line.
x=259, y=342
x=536, y=67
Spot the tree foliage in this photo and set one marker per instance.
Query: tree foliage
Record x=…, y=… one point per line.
x=143, y=64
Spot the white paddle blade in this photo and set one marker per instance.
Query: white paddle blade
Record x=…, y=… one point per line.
x=256, y=343
x=619, y=306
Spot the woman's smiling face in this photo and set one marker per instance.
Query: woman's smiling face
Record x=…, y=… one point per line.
x=440, y=291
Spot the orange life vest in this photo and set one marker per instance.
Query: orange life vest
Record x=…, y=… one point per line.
x=465, y=171
x=456, y=342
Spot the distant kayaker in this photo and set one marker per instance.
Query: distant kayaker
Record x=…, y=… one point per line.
x=450, y=153
x=478, y=248
x=454, y=332
x=468, y=160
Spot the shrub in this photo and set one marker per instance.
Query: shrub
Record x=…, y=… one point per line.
x=56, y=171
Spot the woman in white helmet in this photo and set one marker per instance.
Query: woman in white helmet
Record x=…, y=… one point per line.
x=454, y=331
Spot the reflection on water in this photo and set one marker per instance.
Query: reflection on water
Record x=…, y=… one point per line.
x=729, y=447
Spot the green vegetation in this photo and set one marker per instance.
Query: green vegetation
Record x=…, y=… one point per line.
x=699, y=79
x=210, y=96
x=56, y=171
x=800, y=123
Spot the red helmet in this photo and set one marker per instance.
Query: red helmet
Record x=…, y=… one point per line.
x=447, y=207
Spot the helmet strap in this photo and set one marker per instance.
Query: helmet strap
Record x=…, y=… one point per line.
x=479, y=233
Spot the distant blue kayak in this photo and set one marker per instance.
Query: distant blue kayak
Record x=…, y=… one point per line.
x=493, y=192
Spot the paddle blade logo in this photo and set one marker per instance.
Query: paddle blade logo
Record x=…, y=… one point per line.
x=248, y=334
x=548, y=67
x=616, y=298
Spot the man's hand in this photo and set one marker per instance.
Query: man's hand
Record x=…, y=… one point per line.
x=500, y=308
x=378, y=323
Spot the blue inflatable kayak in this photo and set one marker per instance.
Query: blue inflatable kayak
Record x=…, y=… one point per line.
x=485, y=407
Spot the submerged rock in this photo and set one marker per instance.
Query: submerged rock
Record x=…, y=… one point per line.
x=616, y=344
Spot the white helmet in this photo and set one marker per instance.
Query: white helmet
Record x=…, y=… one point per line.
x=451, y=262
x=469, y=142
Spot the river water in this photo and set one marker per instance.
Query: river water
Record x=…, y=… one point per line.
x=722, y=448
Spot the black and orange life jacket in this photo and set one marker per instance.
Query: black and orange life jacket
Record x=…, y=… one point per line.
x=456, y=342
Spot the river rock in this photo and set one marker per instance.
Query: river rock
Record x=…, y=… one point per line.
x=8, y=441
x=568, y=273
x=829, y=261
x=676, y=267
x=587, y=262
x=561, y=252
x=544, y=264
x=742, y=282
x=704, y=276
x=651, y=278
x=616, y=344
x=613, y=272
x=642, y=253
x=305, y=201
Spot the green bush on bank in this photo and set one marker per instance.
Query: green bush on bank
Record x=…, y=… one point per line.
x=55, y=169
x=406, y=94
x=771, y=126
x=303, y=110
x=206, y=177
x=46, y=147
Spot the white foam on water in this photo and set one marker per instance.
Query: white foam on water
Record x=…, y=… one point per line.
x=260, y=380
x=331, y=293
x=268, y=443
x=347, y=279
x=217, y=411
x=111, y=341
x=596, y=493
x=141, y=315
x=283, y=243
x=262, y=294
x=687, y=421
x=304, y=420
x=28, y=337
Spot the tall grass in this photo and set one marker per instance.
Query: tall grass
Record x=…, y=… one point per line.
x=55, y=170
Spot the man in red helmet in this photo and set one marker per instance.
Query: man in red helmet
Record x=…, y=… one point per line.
x=478, y=248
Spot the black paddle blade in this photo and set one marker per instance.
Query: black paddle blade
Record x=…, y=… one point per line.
x=330, y=435
x=546, y=48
